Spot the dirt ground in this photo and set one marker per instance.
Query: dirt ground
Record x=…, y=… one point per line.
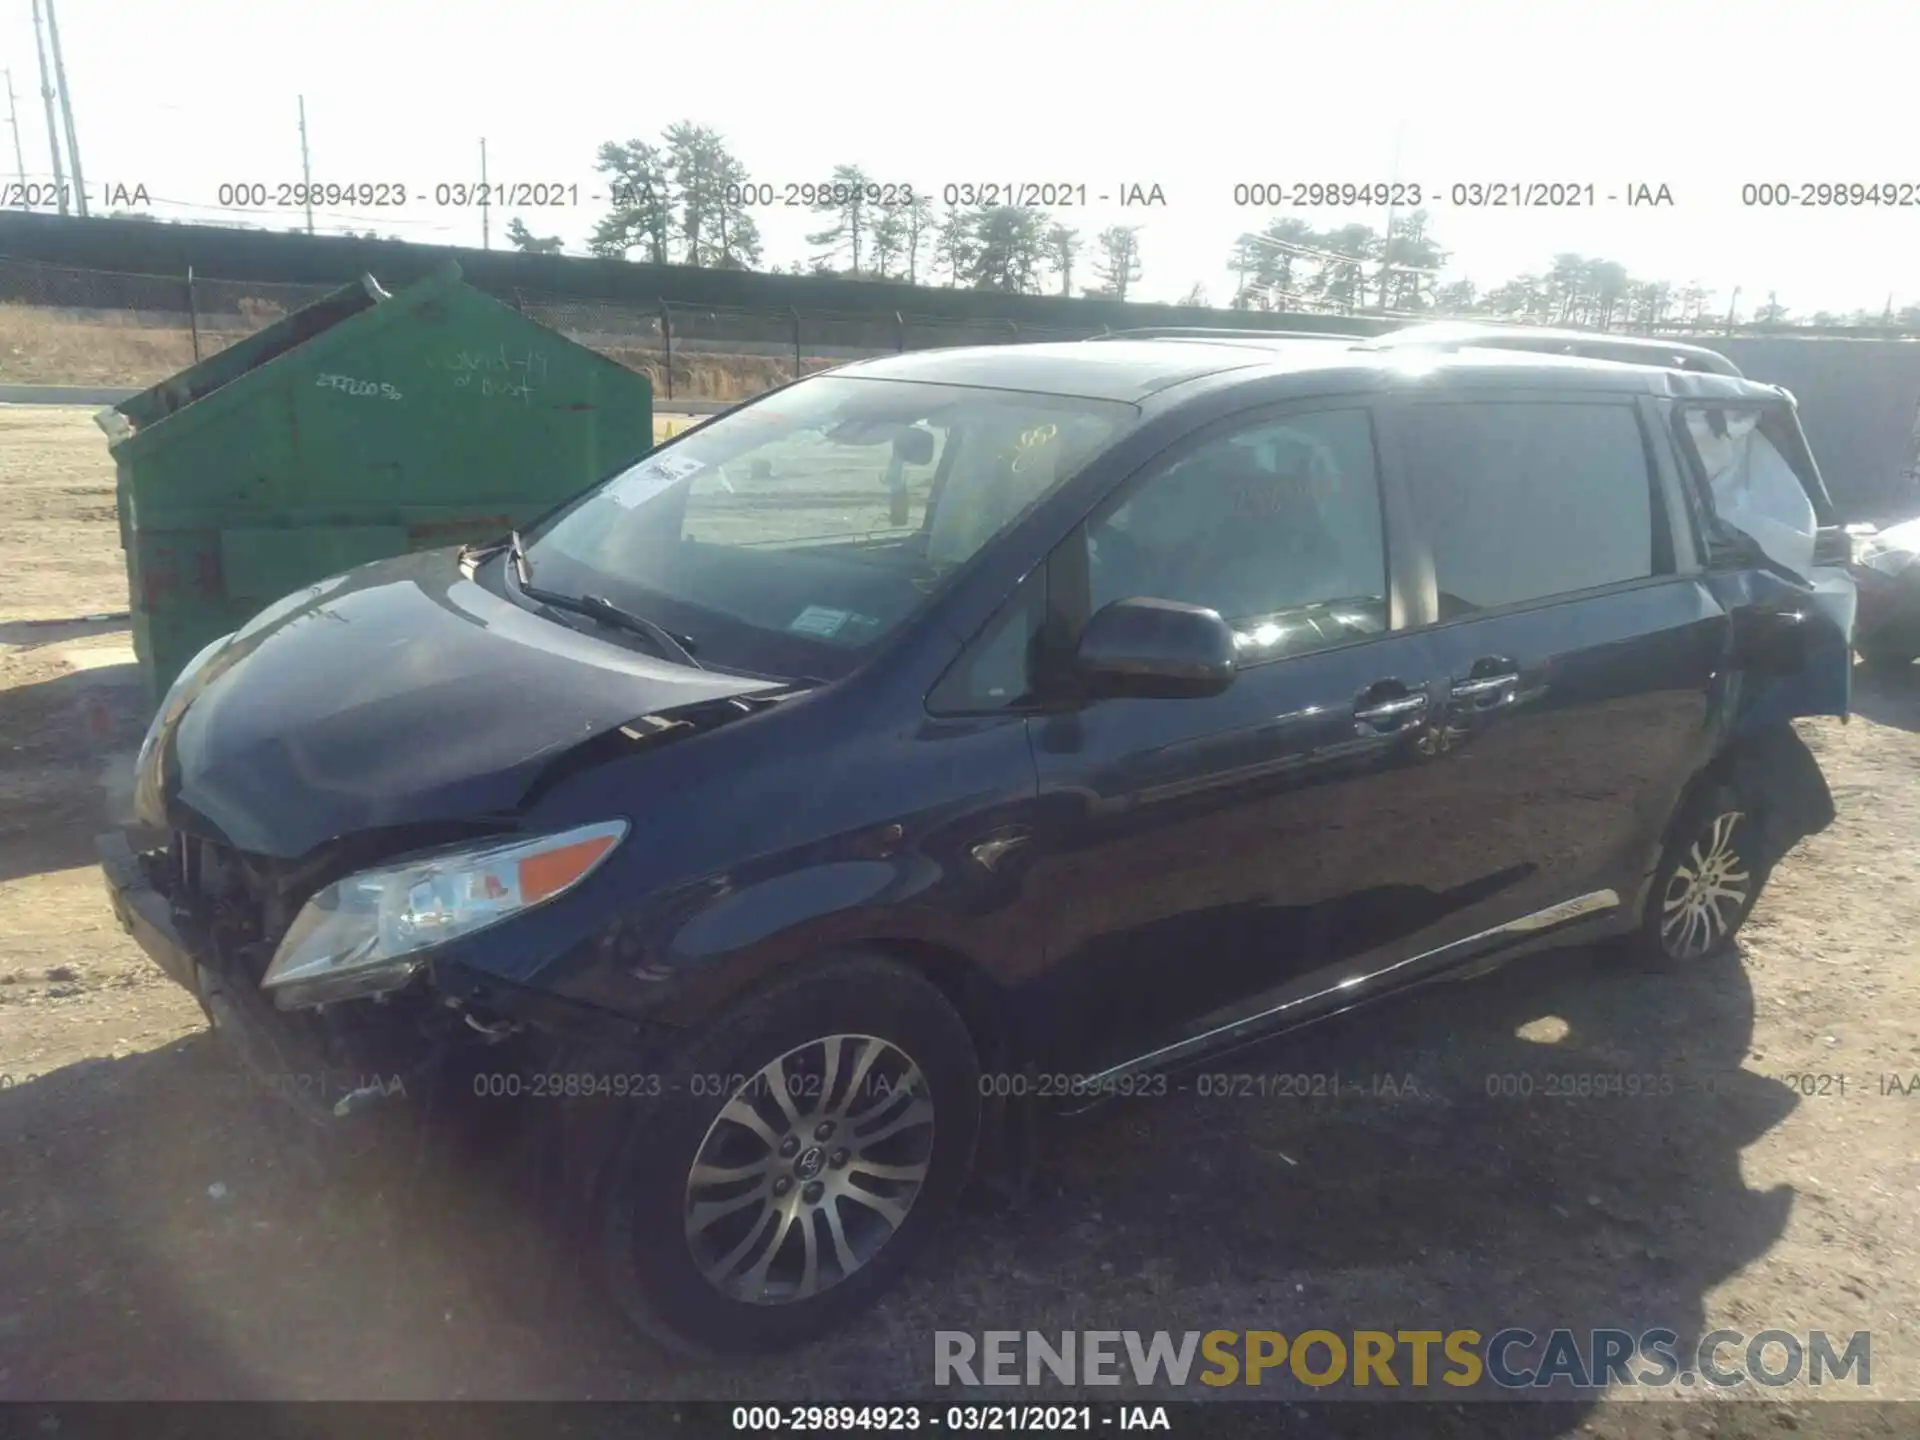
x=156, y=1241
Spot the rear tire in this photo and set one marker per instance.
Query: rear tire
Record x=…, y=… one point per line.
x=763, y=1197
x=1709, y=878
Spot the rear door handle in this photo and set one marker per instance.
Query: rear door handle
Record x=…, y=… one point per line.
x=1485, y=685
x=1493, y=681
x=1385, y=717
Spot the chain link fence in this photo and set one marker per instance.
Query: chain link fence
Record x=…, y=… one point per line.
x=65, y=325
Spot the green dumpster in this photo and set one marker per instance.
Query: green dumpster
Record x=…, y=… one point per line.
x=366, y=425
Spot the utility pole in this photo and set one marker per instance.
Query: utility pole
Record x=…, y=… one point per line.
x=46, y=94
x=1730, y=308
x=66, y=111
x=306, y=170
x=19, y=158
x=486, y=241
x=1386, y=247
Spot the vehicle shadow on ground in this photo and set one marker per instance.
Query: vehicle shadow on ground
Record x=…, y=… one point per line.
x=1472, y=1199
x=66, y=749
x=1888, y=697
x=1562, y=1151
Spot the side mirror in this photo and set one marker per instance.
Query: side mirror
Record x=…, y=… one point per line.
x=914, y=446
x=1155, y=649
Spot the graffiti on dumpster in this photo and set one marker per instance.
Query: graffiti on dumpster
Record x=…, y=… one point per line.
x=494, y=372
x=357, y=387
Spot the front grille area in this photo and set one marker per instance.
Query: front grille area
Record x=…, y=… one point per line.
x=237, y=907
x=230, y=899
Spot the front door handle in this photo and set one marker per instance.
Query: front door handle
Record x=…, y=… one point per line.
x=1385, y=717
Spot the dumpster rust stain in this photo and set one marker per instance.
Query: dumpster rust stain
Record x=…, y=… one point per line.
x=161, y=576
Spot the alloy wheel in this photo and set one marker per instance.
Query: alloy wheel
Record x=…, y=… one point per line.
x=1707, y=893
x=809, y=1169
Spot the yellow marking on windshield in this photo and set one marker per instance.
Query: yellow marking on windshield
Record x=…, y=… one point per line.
x=1029, y=443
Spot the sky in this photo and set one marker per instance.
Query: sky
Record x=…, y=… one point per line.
x=1699, y=97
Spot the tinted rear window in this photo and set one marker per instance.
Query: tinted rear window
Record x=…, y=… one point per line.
x=1524, y=501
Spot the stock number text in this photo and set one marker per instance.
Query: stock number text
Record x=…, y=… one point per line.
x=818, y=193
x=1900, y=194
x=291, y=194
x=1309, y=193
x=1070, y=1087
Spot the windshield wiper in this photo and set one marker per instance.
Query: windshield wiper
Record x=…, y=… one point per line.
x=597, y=607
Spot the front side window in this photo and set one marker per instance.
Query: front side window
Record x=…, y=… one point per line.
x=792, y=535
x=1521, y=502
x=995, y=672
x=1275, y=525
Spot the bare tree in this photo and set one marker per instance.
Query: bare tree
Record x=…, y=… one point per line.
x=954, y=244
x=846, y=201
x=1118, y=265
x=1063, y=247
x=918, y=223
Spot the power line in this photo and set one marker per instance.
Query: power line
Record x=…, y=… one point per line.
x=19, y=157
x=306, y=171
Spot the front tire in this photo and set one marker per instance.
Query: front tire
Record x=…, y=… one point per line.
x=802, y=1149
x=1709, y=878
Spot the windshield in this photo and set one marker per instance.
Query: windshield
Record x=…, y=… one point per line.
x=791, y=536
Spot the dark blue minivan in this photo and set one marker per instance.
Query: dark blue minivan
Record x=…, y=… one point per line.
x=962, y=729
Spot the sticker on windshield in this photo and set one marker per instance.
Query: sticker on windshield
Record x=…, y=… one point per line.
x=678, y=466
x=647, y=480
x=819, y=620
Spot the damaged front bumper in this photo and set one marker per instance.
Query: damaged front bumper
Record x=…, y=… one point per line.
x=320, y=1083
x=441, y=1039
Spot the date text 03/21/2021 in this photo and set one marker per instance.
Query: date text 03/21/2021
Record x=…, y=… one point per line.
x=954, y=1419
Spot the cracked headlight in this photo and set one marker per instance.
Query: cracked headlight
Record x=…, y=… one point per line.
x=367, y=934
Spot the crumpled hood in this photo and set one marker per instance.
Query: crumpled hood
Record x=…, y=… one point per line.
x=398, y=693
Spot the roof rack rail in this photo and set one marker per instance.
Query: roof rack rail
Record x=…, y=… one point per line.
x=1223, y=332
x=1591, y=344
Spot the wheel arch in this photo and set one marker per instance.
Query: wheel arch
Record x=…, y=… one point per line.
x=1774, y=775
x=981, y=1002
